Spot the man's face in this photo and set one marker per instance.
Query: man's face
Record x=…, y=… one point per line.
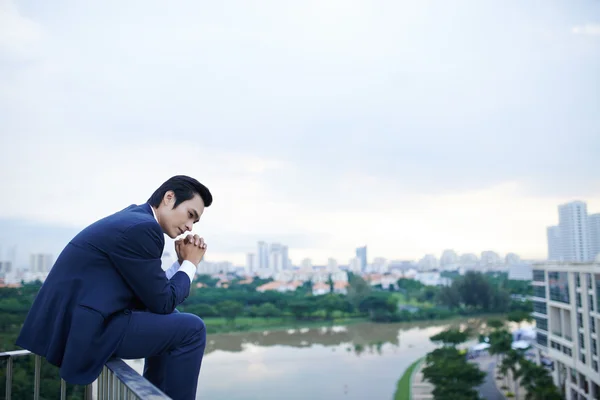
x=177, y=221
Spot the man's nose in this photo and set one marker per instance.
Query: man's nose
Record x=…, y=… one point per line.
x=188, y=227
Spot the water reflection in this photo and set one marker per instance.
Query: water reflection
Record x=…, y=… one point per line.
x=364, y=334
x=356, y=361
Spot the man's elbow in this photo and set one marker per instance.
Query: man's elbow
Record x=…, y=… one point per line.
x=161, y=305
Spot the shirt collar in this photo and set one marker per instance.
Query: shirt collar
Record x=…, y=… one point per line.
x=153, y=213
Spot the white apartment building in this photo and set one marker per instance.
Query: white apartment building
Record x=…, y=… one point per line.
x=572, y=221
x=554, y=244
x=594, y=229
x=566, y=302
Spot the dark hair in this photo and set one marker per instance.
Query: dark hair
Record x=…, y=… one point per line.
x=184, y=188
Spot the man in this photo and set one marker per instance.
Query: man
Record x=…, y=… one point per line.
x=108, y=296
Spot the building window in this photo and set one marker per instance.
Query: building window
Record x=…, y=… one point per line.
x=538, y=275
x=594, y=345
x=591, y=302
x=577, y=280
x=539, y=291
x=595, y=365
x=578, y=300
x=559, y=286
x=580, y=320
x=581, y=341
x=592, y=324
x=540, y=307
x=588, y=280
x=541, y=323
x=541, y=339
x=597, y=291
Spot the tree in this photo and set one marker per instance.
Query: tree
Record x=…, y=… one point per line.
x=519, y=317
x=495, y=323
x=449, y=296
x=230, y=309
x=358, y=289
x=452, y=376
x=451, y=337
x=268, y=310
x=511, y=362
x=500, y=342
x=300, y=308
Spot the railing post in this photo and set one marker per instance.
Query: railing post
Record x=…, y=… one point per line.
x=63, y=390
x=36, y=382
x=9, y=374
x=89, y=394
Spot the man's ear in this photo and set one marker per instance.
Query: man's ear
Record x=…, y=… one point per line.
x=169, y=197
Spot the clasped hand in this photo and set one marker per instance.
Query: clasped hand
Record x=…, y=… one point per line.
x=191, y=248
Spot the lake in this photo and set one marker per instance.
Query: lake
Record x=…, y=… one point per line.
x=355, y=361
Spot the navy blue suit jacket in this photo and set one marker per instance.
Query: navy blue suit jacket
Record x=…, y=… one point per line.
x=81, y=312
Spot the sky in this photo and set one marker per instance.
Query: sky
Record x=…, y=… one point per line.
x=409, y=126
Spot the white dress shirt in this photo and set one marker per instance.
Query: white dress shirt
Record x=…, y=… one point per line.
x=186, y=266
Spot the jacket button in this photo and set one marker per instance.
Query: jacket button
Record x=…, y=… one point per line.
x=127, y=312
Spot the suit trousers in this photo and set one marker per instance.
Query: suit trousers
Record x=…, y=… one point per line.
x=173, y=347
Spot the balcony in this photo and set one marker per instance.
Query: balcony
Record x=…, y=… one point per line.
x=116, y=381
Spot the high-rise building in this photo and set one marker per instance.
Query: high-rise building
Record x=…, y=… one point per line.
x=263, y=255
x=512, y=259
x=251, y=262
x=285, y=258
x=566, y=310
x=361, y=254
x=468, y=259
x=554, y=243
x=572, y=221
x=276, y=257
x=40, y=263
x=594, y=235
x=489, y=257
x=449, y=257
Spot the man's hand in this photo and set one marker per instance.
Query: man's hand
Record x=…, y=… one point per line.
x=189, y=241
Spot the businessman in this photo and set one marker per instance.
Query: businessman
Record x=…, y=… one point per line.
x=108, y=296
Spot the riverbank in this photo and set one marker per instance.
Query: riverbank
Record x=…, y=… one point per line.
x=250, y=324
x=404, y=383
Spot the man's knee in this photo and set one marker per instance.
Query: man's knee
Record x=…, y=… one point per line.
x=195, y=326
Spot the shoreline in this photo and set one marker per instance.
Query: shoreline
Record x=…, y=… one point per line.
x=218, y=325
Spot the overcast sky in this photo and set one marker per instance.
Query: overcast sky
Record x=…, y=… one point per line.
x=410, y=126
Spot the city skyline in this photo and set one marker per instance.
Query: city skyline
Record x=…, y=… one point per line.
x=345, y=124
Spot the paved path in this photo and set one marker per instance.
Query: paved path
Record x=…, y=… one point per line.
x=420, y=389
x=488, y=389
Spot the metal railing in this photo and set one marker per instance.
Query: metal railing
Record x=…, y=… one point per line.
x=117, y=381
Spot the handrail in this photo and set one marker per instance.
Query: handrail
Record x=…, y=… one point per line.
x=116, y=381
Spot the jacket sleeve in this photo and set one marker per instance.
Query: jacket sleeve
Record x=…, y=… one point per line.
x=137, y=257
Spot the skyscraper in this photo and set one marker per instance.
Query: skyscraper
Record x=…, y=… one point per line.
x=361, y=254
x=594, y=239
x=263, y=255
x=554, y=243
x=573, y=224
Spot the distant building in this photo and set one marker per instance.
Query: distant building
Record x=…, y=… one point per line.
x=251, y=262
x=40, y=263
x=512, y=259
x=520, y=272
x=554, y=243
x=449, y=257
x=594, y=230
x=574, y=234
x=361, y=254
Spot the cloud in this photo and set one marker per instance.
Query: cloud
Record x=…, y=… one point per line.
x=588, y=29
x=306, y=119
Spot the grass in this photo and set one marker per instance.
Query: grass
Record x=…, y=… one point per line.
x=249, y=324
x=403, y=386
